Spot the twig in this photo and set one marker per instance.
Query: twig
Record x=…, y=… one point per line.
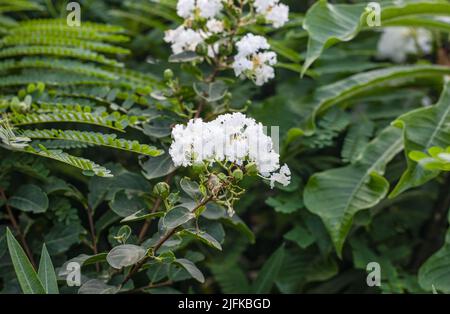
x=162, y=240
x=17, y=228
x=93, y=235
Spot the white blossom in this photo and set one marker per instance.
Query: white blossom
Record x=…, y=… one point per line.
x=205, y=8
x=230, y=137
x=214, y=26
x=283, y=176
x=183, y=39
x=396, y=43
x=253, y=63
x=273, y=11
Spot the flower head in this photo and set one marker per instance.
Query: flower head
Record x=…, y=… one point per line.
x=232, y=138
x=205, y=8
x=273, y=11
x=183, y=39
x=252, y=62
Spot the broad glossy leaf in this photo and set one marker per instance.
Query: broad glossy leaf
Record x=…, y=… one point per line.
x=47, y=273
x=125, y=204
x=191, y=188
x=336, y=195
x=177, y=216
x=29, y=198
x=357, y=85
x=211, y=91
x=157, y=167
x=125, y=255
x=28, y=278
x=191, y=269
x=204, y=237
x=62, y=237
x=328, y=24
x=434, y=273
x=422, y=129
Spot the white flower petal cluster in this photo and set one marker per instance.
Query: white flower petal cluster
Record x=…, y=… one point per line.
x=273, y=11
x=205, y=8
x=230, y=137
x=185, y=38
x=396, y=43
x=252, y=61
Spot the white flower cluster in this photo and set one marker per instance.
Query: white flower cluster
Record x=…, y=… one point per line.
x=184, y=38
x=273, y=11
x=396, y=43
x=252, y=61
x=230, y=137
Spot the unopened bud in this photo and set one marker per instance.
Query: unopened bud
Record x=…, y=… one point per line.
x=238, y=175
x=161, y=189
x=251, y=169
x=168, y=74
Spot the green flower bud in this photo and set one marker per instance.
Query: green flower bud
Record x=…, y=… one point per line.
x=168, y=74
x=238, y=175
x=251, y=169
x=222, y=176
x=161, y=189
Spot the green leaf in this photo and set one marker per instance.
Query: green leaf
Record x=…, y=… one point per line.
x=230, y=278
x=157, y=167
x=422, y=129
x=177, y=216
x=434, y=272
x=350, y=88
x=301, y=236
x=62, y=237
x=142, y=215
x=95, y=286
x=46, y=273
x=336, y=195
x=202, y=236
x=191, y=269
x=26, y=275
x=268, y=274
x=191, y=188
x=211, y=91
x=286, y=203
x=125, y=255
x=328, y=24
x=125, y=204
x=29, y=198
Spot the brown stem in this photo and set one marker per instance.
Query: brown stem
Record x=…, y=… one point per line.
x=161, y=241
x=17, y=228
x=90, y=215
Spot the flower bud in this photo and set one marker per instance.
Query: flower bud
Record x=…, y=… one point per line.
x=251, y=169
x=168, y=74
x=161, y=189
x=238, y=175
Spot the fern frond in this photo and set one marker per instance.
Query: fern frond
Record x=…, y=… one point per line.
x=63, y=65
x=51, y=78
x=76, y=53
x=93, y=138
x=20, y=40
x=37, y=24
x=18, y=5
x=59, y=144
x=89, y=167
x=18, y=119
x=34, y=28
